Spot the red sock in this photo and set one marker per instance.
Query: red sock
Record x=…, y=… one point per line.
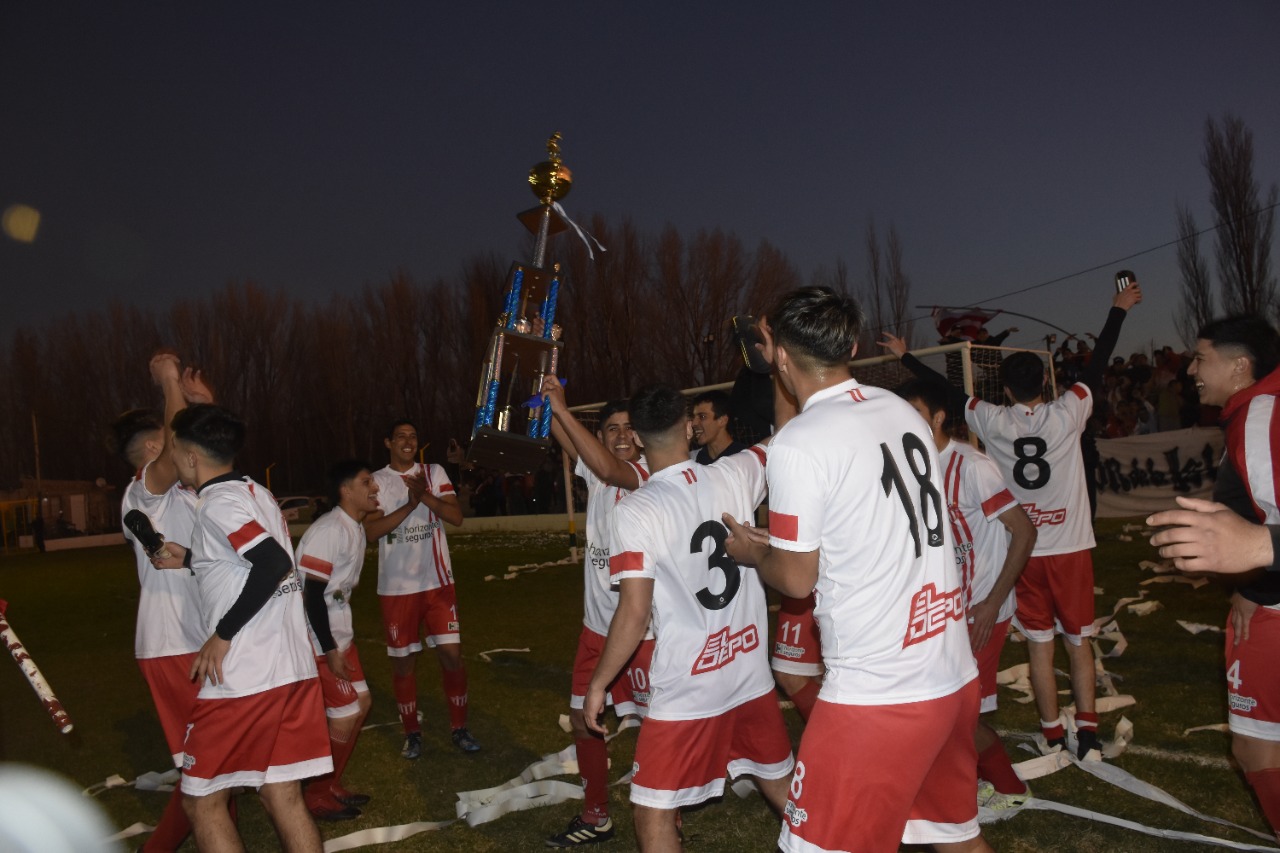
x=995, y=767
x=172, y=828
x=455, y=690
x=405, y=688
x=1052, y=731
x=1086, y=720
x=593, y=764
x=805, y=697
x=1266, y=787
x=341, y=754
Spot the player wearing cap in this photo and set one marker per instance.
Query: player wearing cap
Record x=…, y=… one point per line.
x=611, y=464
x=991, y=557
x=415, y=582
x=857, y=515
x=259, y=718
x=330, y=557
x=1036, y=444
x=712, y=706
x=170, y=630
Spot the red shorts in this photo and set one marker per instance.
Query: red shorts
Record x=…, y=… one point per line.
x=174, y=693
x=872, y=777
x=796, y=647
x=988, y=658
x=629, y=692
x=341, y=698
x=404, y=617
x=1253, y=691
x=278, y=735
x=683, y=762
x=1056, y=593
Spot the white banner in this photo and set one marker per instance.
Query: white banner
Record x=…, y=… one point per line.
x=1142, y=474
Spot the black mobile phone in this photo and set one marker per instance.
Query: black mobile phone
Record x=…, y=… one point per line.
x=1124, y=278
x=749, y=339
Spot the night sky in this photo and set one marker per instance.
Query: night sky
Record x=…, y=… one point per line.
x=320, y=147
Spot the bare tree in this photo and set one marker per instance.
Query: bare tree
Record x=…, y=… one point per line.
x=1244, y=225
x=1196, y=307
x=899, y=289
x=873, y=297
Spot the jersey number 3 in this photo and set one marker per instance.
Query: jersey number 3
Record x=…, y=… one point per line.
x=718, y=559
x=930, y=498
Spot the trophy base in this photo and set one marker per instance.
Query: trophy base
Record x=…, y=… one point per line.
x=507, y=451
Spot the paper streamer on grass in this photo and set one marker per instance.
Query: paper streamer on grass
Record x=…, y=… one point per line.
x=132, y=831
x=394, y=722
x=382, y=835
x=1214, y=727
x=484, y=656
x=154, y=780
x=1199, y=627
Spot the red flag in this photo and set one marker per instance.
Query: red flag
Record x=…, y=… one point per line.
x=962, y=323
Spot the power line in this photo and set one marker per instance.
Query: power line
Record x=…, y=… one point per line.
x=1103, y=265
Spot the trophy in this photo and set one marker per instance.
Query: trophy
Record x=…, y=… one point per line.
x=525, y=346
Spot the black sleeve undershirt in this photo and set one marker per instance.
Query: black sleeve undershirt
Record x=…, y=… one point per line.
x=957, y=399
x=1104, y=346
x=268, y=565
x=318, y=612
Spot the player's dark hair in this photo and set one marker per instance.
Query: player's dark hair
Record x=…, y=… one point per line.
x=656, y=409
x=129, y=431
x=217, y=431
x=719, y=400
x=341, y=473
x=1023, y=374
x=1253, y=336
x=817, y=323
x=612, y=408
x=931, y=394
x=397, y=423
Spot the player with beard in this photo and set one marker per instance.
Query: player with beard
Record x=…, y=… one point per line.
x=330, y=557
x=415, y=582
x=611, y=465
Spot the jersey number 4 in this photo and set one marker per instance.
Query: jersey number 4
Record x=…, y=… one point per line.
x=930, y=498
x=718, y=559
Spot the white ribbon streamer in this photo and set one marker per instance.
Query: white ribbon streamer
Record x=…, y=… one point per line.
x=587, y=239
x=484, y=656
x=132, y=831
x=382, y=835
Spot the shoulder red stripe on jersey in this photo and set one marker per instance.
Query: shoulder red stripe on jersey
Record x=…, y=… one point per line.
x=251, y=531
x=973, y=403
x=447, y=489
x=316, y=566
x=996, y=502
x=784, y=526
x=627, y=561
x=758, y=451
x=643, y=474
x=1080, y=391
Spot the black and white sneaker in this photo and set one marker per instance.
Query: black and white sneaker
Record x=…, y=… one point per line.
x=463, y=740
x=412, y=749
x=580, y=832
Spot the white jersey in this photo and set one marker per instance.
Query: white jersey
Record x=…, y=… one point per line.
x=415, y=556
x=1038, y=451
x=976, y=497
x=855, y=476
x=169, y=620
x=272, y=649
x=332, y=551
x=599, y=594
x=709, y=613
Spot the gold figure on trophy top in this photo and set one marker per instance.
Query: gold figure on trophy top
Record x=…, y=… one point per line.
x=551, y=180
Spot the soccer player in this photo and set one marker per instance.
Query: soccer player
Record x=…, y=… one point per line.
x=611, y=465
x=330, y=557
x=1235, y=366
x=711, y=411
x=857, y=516
x=1036, y=444
x=712, y=706
x=415, y=582
x=991, y=557
x=170, y=630
x=259, y=717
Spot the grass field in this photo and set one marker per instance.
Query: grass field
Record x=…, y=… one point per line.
x=75, y=612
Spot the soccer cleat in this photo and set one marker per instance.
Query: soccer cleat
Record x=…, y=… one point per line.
x=332, y=811
x=463, y=740
x=990, y=798
x=1087, y=746
x=347, y=798
x=412, y=748
x=580, y=832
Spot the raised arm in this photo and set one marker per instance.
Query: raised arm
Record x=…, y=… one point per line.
x=579, y=442
x=1105, y=343
x=957, y=399
x=162, y=473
